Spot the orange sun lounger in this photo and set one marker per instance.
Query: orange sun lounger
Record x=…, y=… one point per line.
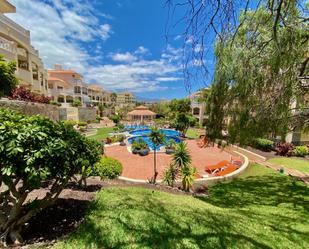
x=210, y=169
x=229, y=169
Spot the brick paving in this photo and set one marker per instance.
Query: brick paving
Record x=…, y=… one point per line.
x=138, y=167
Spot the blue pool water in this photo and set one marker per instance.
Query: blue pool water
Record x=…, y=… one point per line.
x=145, y=132
x=136, y=127
x=149, y=143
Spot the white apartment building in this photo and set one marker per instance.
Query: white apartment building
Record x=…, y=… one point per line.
x=15, y=46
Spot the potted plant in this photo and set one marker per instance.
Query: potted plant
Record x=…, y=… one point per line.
x=121, y=140
x=136, y=147
x=170, y=146
x=144, y=151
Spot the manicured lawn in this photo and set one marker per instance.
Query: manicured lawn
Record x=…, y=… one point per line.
x=292, y=163
x=192, y=133
x=102, y=133
x=262, y=209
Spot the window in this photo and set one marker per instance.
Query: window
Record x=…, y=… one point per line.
x=196, y=111
x=35, y=71
x=60, y=87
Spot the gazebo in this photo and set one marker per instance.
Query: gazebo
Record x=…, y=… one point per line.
x=141, y=114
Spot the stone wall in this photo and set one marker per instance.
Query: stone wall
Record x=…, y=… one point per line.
x=52, y=112
x=30, y=108
x=68, y=113
x=86, y=114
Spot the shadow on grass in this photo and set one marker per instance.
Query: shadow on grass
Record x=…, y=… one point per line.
x=271, y=190
x=150, y=224
x=267, y=211
x=55, y=221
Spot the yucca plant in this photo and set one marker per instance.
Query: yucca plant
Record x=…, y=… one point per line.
x=182, y=160
x=188, y=175
x=181, y=157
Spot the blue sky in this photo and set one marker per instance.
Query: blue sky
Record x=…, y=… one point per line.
x=119, y=44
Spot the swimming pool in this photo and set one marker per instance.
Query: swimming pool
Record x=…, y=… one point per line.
x=147, y=140
x=145, y=132
x=136, y=127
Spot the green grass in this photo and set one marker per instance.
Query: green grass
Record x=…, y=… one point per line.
x=261, y=209
x=102, y=133
x=192, y=133
x=300, y=165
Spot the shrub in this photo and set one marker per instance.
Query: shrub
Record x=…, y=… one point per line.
x=70, y=122
x=284, y=149
x=34, y=151
x=300, y=151
x=115, y=119
x=7, y=77
x=54, y=103
x=187, y=177
x=108, y=168
x=263, y=144
x=139, y=144
x=82, y=124
x=21, y=93
x=76, y=103
x=171, y=144
x=170, y=175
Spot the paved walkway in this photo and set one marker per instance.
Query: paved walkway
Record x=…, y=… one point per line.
x=138, y=167
x=291, y=172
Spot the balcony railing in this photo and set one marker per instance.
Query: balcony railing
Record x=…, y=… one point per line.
x=61, y=92
x=18, y=32
x=8, y=45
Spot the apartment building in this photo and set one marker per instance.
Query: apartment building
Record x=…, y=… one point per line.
x=66, y=85
x=98, y=95
x=15, y=46
x=198, y=107
x=125, y=98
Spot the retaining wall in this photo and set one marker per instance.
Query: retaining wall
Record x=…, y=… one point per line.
x=30, y=108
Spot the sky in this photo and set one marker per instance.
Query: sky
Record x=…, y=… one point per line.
x=118, y=44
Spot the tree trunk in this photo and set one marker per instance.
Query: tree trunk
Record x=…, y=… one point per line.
x=155, y=165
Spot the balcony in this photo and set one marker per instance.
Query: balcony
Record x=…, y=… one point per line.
x=64, y=92
x=16, y=31
x=8, y=45
x=24, y=75
x=22, y=52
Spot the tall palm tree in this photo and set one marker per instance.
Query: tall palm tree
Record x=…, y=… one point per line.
x=156, y=138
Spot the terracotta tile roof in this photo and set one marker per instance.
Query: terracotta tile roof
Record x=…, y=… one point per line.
x=53, y=79
x=62, y=71
x=141, y=113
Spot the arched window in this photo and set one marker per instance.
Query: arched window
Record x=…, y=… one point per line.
x=196, y=111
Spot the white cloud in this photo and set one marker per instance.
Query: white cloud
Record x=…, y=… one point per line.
x=123, y=57
x=60, y=30
x=141, y=50
x=178, y=37
x=140, y=75
x=163, y=79
x=105, y=31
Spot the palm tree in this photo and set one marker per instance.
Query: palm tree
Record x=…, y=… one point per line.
x=156, y=138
